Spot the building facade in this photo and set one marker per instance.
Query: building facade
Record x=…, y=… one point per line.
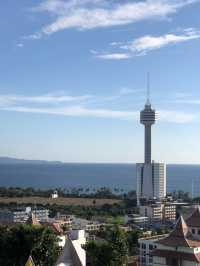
x=159, y=211
x=151, y=180
x=146, y=246
x=22, y=215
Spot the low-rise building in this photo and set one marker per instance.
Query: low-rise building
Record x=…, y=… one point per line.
x=140, y=221
x=88, y=226
x=22, y=215
x=65, y=220
x=159, y=211
x=146, y=246
x=54, y=195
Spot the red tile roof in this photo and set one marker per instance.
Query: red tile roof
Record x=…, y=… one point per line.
x=54, y=226
x=57, y=229
x=176, y=254
x=180, y=236
x=194, y=219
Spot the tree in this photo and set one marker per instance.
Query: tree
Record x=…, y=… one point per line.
x=99, y=253
x=19, y=241
x=132, y=239
x=46, y=250
x=119, y=246
x=110, y=251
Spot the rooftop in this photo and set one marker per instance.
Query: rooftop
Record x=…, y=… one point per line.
x=194, y=218
x=180, y=236
x=179, y=255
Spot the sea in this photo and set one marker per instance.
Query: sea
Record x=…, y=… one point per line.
x=93, y=176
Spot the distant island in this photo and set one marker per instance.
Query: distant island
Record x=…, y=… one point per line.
x=8, y=160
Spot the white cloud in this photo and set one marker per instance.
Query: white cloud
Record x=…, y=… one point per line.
x=179, y=117
x=20, y=45
x=182, y=95
x=89, y=14
x=113, y=56
x=189, y=101
x=35, y=36
x=141, y=46
x=128, y=91
x=76, y=111
x=148, y=43
x=79, y=106
x=45, y=99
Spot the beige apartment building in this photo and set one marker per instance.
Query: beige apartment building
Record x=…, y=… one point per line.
x=159, y=211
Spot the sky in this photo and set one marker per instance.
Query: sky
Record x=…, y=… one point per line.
x=73, y=78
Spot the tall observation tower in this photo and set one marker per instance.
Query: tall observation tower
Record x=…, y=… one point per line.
x=151, y=178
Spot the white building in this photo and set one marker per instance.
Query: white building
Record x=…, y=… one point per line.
x=54, y=195
x=147, y=245
x=73, y=253
x=136, y=219
x=151, y=180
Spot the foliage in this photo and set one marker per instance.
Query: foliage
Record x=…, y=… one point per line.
x=99, y=193
x=99, y=253
x=112, y=251
x=102, y=212
x=19, y=241
x=132, y=239
x=161, y=231
x=73, y=192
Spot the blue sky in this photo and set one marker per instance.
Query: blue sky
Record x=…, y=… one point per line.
x=73, y=79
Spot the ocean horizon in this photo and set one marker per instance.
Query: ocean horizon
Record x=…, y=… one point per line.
x=184, y=177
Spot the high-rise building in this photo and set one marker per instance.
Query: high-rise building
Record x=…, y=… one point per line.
x=151, y=176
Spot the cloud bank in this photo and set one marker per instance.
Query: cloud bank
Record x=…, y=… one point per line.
x=79, y=107
x=90, y=14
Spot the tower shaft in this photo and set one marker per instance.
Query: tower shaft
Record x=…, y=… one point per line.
x=147, y=148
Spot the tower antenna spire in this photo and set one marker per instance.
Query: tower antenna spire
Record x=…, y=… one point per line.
x=148, y=89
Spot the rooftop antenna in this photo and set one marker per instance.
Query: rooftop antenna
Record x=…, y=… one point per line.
x=148, y=89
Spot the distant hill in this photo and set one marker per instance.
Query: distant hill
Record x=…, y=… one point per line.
x=8, y=160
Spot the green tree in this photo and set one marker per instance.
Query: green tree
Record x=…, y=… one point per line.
x=132, y=239
x=111, y=251
x=19, y=241
x=99, y=253
x=119, y=245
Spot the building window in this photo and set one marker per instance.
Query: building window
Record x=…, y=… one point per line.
x=198, y=232
x=172, y=261
x=150, y=260
x=143, y=246
x=143, y=260
x=193, y=231
x=150, y=247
